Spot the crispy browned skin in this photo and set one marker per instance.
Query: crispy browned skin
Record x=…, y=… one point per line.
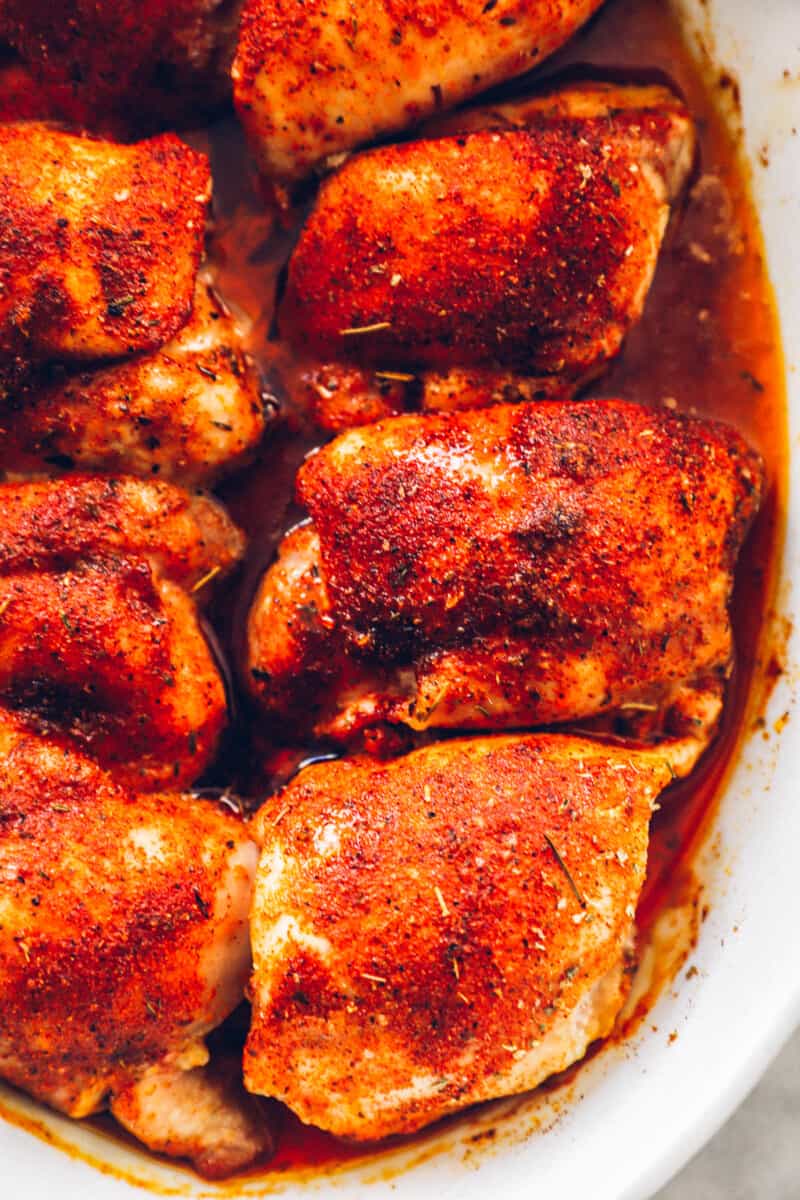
x=135, y=59
x=123, y=940
x=588, y=100
x=100, y=638
x=520, y=565
x=494, y=248
x=312, y=79
x=188, y=412
x=504, y=261
x=99, y=244
x=443, y=928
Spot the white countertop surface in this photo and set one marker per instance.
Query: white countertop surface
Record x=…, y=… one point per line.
x=756, y=1156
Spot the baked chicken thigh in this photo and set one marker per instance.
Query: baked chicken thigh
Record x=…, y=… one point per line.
x=123, y=942
x=506, y=260
x=99, y=245
x=114, y=352
x=444, y=928
x=100, y=637
x=522, y=565
x=313, y=79
x=188, y=411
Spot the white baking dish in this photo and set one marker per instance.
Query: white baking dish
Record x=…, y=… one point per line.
x=637, y=1112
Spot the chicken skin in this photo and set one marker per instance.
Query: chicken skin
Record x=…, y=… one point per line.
x=123, y=942
x=187, y=412
x=99, y=245
x=100, y=637
x=444, y=928
x=312, y=80
x=125, y=61
x=522, y=565
x=504, y=261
